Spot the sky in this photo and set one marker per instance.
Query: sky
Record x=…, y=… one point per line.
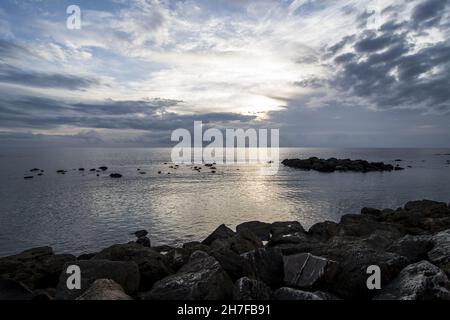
x=326, y=73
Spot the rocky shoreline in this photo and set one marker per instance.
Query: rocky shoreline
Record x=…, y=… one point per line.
x=333, y=164
x=258, y=261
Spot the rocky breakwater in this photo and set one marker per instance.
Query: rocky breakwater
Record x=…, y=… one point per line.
x=333, y=164
x=258, y=261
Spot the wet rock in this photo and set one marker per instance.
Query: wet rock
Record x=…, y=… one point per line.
x=418, y=281
x=193, y=246
x=80, y=169
x=333, y=164
x=235, y=265
x=28, y=177
x=248, y=289
x=141, y=233
x=287, y=232
x=61, y=171
x=35, y=170
x=124, y=273
x=241, y=242
x=267, y=265
x=14, y=290
x=440, y=254
x=324, y=230
x=103, y=168
x=86, y=256
x=144, y=241
x=221, y=233
x=151, y=264
x=260, y=229
x=415, y=248
x=286, y=293
x=176, y=258
x=305, y=270
x=92, y=170
x=202, y=278
x=115, y=175
x=104, y=289
x=35, y=268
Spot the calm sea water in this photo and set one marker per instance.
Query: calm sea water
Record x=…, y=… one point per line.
x=79, y=212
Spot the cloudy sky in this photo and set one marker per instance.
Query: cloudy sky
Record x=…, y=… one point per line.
x=327, y=73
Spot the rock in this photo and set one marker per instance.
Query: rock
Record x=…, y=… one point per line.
x=193, y=246
x=104, y=168
x=115, y=175
x=104, y=289
x=333, y=164
x=80, y=169
x=287, y=232
x=36, y=268
x=354, y=257
x=398, y=168
x=92, y=170
x=248, y=289
x=306, y=271
x=267, y=265
x=221, y=233
x=425, y=205
x=418, y=281
x=35, y=170
x=124, y=273
x=242, y=242
x=286, y=293
x=326, y=295
x=202, y=278
x=13, y=290
x=440, y=254
x=144, y=241
x=235, y=265
x=151, y=264
x=177, y=258
x=28, y=177
x=260, y=229
x=324, y=230
x=86, y=256
x=141, y=233
x=415, y=248
x=61, y=171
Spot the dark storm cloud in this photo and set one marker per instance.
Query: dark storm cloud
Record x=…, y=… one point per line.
x=385, y=66
x=13, y=75
x=43, y=113
x=429, y=13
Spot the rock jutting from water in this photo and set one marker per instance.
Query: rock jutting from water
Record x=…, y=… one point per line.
x=258, y=261
x=333, y=164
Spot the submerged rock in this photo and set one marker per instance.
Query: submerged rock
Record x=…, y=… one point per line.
x=333, y=164
x=419, y=281
x=115, y=175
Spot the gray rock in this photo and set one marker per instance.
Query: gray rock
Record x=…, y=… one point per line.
x=440, y=254
x=221, y=233
x=249, y=289
x=241, y=242
x=415, y=248
x=141, y=233
x=324, y=230
x=36, y=268
x=287, y=232
x=260, y=229
x=124, y=273
x=104, y=289
x=418, y=281
x=286, y=293
x=202, y=278
x=151, y=264
x=144, y=241
x=235, y=265
x=267, y=265
x=305, y=270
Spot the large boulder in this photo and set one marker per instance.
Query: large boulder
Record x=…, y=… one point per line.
x=37, y=268
x=286, y=293
x=202, y=278
x=221, y=233
x=440, y=254
x=104, y=289
x=250, y=289
x=13, y=290
x=287, y=232
x=241, y=242
x=235, y=265
x=418, y=281
x=354, y=257
x=124, y=273
x=151, y=264
x=324, y=230
x=415, y=248
x=305, y=270
x=267, y=265
x=260, y=229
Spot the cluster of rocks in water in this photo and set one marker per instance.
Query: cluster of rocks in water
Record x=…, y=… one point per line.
x=258, y=261
x=333, y=164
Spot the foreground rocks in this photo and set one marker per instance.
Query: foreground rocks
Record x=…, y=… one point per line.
x=258, y=261
x=333, y=164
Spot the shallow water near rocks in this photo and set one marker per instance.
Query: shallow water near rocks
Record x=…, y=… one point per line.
x=79, y=212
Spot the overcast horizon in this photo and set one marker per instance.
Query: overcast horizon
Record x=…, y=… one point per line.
x=326, y=73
